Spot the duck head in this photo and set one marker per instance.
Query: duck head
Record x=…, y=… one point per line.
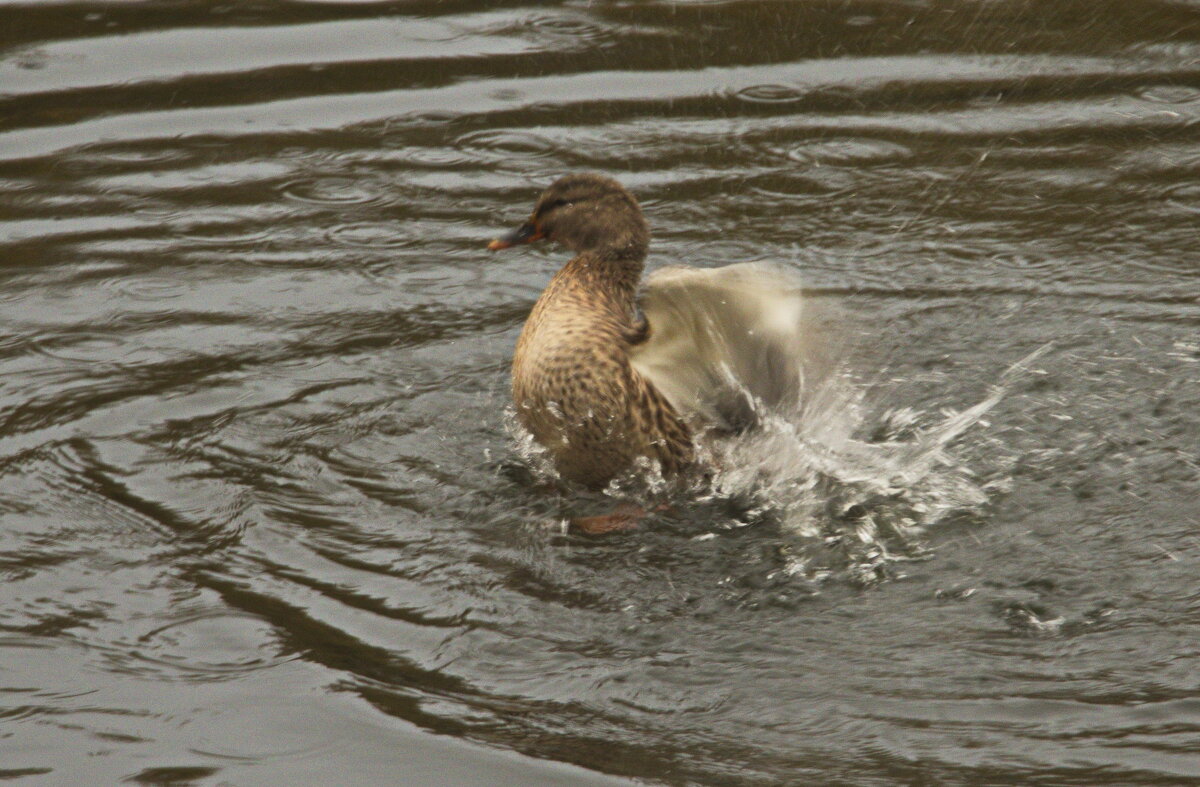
x=586, y=213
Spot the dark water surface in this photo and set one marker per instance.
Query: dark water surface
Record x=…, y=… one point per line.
x=264, y=522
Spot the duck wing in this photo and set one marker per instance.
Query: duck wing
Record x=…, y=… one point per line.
x=723, y=342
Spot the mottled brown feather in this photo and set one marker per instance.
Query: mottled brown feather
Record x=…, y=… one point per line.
x=573, y=384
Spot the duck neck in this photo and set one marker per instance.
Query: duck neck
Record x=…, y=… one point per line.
x=614, y=272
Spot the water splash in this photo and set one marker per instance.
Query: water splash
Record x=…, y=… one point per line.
x=854, y=485
x=859, y=485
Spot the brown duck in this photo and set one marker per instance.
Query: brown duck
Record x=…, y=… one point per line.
x=602, y=377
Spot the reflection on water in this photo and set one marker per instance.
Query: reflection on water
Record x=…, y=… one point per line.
x=262, y=521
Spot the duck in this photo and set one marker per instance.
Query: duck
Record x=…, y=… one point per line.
x=611, y=371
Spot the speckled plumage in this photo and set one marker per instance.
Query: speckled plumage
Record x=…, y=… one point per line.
x=600, y=386
x=573, y=384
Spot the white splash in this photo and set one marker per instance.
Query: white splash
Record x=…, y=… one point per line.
x=785, y=429
x=869, y=485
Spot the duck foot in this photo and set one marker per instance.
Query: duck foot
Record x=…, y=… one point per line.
x=625, y=518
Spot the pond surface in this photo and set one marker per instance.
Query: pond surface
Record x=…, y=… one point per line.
x=264, y=519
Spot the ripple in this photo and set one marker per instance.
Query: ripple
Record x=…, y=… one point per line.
x=32, y=59
x=223, y=228
x=154, y=210
x=151, y=289
x=173, y=774
x=87, y=160
x=142, y=155
x=369, y=235
x=793, y=188
x=331, y=191
x=1027, y=263
x=12, y=343
x=1185, y=198
x=770, y=94
x=205, y=646
x=1178, y=162
x=74, y=348
x=571, y=28
x=1188, y=192
x=433, y=157
x=1171, y=94
x=10, y=185
x=1046, y=155
x=524, y=142
x=846, y=151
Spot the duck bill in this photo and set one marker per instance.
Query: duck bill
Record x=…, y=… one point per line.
x=526, y=233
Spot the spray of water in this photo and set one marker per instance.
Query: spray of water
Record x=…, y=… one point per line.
x=862, y=482
x=856, y=483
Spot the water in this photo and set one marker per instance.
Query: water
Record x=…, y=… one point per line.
x=263, y=521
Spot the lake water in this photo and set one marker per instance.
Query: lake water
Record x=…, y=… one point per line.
x=263, y=516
